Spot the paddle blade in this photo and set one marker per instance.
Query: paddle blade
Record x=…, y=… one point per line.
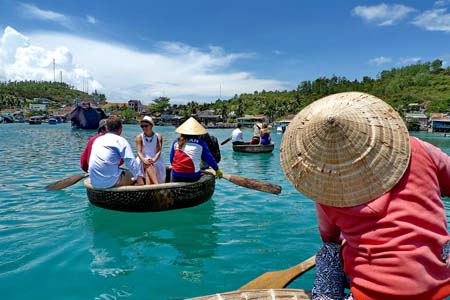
x=254, y=184
x=225, y=141
x=63, y=183
x=280, y=279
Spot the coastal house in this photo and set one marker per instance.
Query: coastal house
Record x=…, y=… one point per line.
x=135, y=105
x=250, y=120
x=208, y=118
x=416, y=107
x=39, y=107
x=440, y=122
x=420, y=120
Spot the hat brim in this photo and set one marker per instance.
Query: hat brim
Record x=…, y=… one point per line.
x=191, y=127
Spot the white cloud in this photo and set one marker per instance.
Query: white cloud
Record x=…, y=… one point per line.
x=19, y=60
x=34, y=12
x=409, y=60
x=441, y=2
x=176, y=70
x=381, y=60
x=91, y=19
x=383, y=14
x=434, y=20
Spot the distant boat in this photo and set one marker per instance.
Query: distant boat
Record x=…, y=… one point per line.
x=281, y=125
x=86, y=117
x=52, y=121
x=7, y=119
x=35, y=120
x=248, y=148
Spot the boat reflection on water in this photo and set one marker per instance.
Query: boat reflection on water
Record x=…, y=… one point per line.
x=170, y=243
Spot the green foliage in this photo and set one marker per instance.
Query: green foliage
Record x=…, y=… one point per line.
x=12, y=93
x=128, y=114
x=426, y=83
x=161, y=104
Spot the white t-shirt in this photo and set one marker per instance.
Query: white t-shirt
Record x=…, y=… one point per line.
x=237, y=135
x=106, y=153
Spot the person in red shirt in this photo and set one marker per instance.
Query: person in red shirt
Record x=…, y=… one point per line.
x=378, y=200
x=84, y=159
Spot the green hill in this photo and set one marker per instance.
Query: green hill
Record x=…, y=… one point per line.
x=13, y=93
x=423, y=83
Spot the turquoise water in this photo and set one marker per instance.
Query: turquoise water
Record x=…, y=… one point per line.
x=55, y=245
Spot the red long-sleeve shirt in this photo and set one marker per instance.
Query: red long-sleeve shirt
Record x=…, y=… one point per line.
x=393, y=243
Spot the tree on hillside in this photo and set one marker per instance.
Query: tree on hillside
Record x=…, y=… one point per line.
x=160, y=104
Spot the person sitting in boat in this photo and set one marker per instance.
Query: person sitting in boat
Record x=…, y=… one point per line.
x=187, y=152
x=265, y=138
x=84, y=158
x=213, y=146
x=237, y=138
x=149, y=147
x=107, y=152
x=256, y=134
x=378, y=199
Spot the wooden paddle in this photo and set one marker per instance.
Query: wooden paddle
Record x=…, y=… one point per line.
x=225, y=141
x=250, y=183
x=63, y=183
x=253, y=184
x=280, y=279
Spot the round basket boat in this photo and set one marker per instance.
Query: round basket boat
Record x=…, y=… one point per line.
x=253, y=148
x=262, y=294
x=144, y=198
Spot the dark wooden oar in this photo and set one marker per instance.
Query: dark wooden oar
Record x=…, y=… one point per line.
x=280, y=279
x=63, y=183
x=250, y=183
x=253, y=184
x=225, y=141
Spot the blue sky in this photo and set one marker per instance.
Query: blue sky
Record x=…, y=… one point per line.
x=202, y=50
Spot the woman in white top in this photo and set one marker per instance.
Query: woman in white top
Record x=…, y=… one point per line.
x=149, y=147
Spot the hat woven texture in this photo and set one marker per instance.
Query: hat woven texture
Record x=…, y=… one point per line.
x=191, y=127
x=345, y=149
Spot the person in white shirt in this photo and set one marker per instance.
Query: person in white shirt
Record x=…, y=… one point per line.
x=236, y=136
x=107, y=152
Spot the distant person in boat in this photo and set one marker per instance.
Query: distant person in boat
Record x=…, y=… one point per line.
x=213, y=146
x=107, y=152
x=265, y=138
x=256, y=134
x=149, y=148
x=237, y=137
x=187, y=152
x=84, y=159
x=378, y=199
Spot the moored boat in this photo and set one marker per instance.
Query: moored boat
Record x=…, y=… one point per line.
x=247, y=148
x=84, y=116
x=158, y=197
x=52, y=121
x=35, y=120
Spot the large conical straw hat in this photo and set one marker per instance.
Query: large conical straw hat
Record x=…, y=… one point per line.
x=191, y=127
x=345, y=149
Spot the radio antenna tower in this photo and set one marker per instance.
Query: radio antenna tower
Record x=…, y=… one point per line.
x=54, y=75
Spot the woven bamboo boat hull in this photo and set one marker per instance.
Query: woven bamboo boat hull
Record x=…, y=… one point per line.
x=166, y=196
x=263, y=294
x=254, y=148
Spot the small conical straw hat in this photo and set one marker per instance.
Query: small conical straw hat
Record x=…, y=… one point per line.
x=345, y=149
x=191, y=127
